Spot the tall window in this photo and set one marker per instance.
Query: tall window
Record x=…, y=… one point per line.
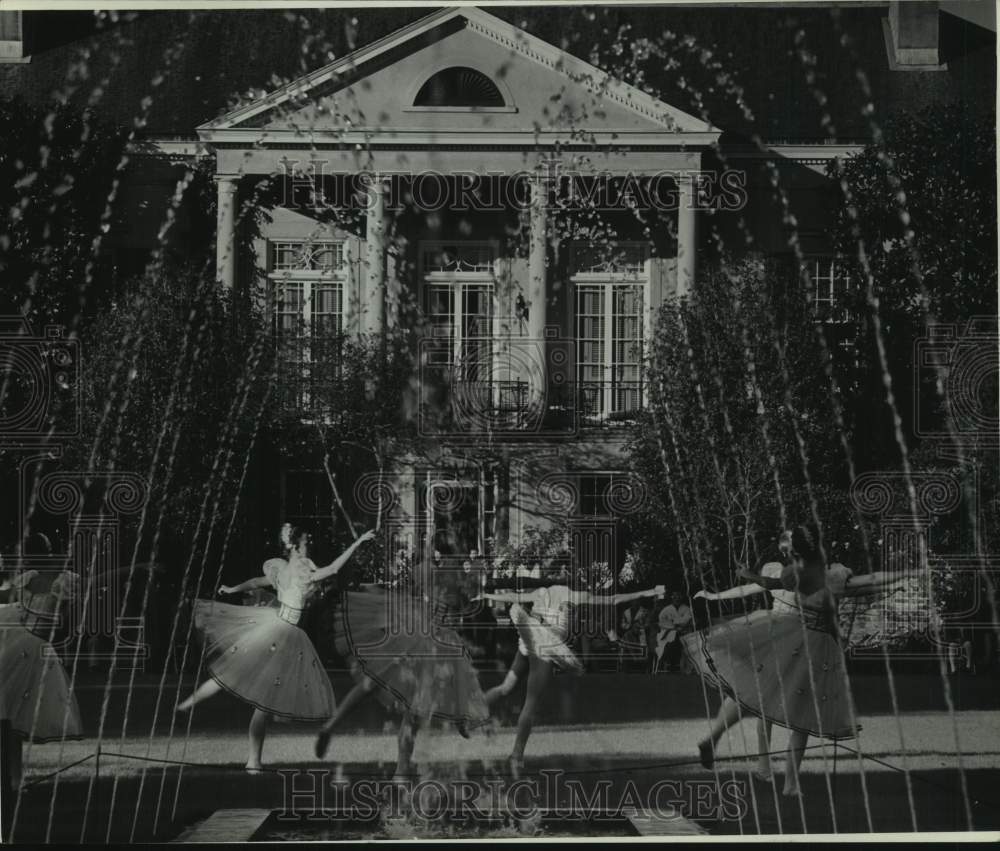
x=610, y=329
x=831, y=286
x=460, y=309
x=309, y=281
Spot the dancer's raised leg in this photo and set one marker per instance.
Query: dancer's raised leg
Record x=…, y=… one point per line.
x=729, y=714
x=354, y=697
x=206, y=690
x=518, y=669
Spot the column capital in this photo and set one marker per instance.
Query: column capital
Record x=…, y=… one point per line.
x=227, y=182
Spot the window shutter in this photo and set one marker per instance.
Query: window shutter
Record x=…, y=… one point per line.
x=662, y=283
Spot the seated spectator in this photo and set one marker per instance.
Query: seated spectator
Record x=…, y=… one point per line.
x=675, y=619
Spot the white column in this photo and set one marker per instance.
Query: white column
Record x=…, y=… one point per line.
x=535, y=354
x=686, y=235
x=536, y=260
x=373, y=302
x=225, y=235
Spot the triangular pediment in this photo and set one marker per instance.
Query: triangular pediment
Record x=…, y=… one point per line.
x=373, y=95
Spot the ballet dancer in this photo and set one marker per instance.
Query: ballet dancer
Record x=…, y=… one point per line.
x=787, y=669
x=418, y=668
x=261, y=655
x=783, y=603
x=542, y=647
x=35, y=695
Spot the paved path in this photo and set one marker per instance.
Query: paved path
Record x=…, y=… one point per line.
x=618, y=729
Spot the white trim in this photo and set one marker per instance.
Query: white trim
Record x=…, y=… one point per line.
x=805, y=151
x=187, y=148
x=513, y=38
x=428, y=136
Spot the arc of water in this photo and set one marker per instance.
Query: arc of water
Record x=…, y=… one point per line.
x=223, y=451
x=84, y=606
x=172, y=401
x=154, y=549
x=221, y=481
x=900, y=436
x=665, y=410
x=222, y=561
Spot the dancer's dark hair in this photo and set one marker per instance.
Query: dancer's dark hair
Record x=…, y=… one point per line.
x=291, y=536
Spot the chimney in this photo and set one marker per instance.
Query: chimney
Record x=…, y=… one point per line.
x=11, y=37
x=913, y=27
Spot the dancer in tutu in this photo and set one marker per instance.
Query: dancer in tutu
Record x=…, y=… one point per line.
x=784, y=603
x=261, y=655
x=400, y=651
x=34, y=691
x=787, y=668
x=541, y=618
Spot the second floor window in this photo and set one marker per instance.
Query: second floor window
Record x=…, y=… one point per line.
x=610, y=300
x=459, y=306
x=308, y=282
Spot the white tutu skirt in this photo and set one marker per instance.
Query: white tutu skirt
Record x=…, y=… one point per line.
x=34, y=690
x=538, y=639
x=263, y=660
x=416, y=664
x=779, y=668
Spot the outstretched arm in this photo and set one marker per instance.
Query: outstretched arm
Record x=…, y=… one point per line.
x=738, y=592
x=334, y=567
x=768, y=583
x=873, y=583
x=249, y=585
x=583, y=598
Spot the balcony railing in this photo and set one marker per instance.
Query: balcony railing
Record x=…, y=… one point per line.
x=516, y=406
x=316, y=392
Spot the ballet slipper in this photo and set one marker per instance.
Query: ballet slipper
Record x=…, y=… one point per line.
x=762, y=773
x=185, y=705
x=463, y=729
x=516, y=764
x=253, y=768
x=706, y=753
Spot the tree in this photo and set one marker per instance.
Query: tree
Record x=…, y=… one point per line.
x=737, y=440
x=917, y=222
x=57, y=169
x=171, y=389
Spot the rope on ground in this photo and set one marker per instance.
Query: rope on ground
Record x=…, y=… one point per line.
x=52, y=774
x=925, y=780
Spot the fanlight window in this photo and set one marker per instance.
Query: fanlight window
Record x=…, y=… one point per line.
x=459, y=86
